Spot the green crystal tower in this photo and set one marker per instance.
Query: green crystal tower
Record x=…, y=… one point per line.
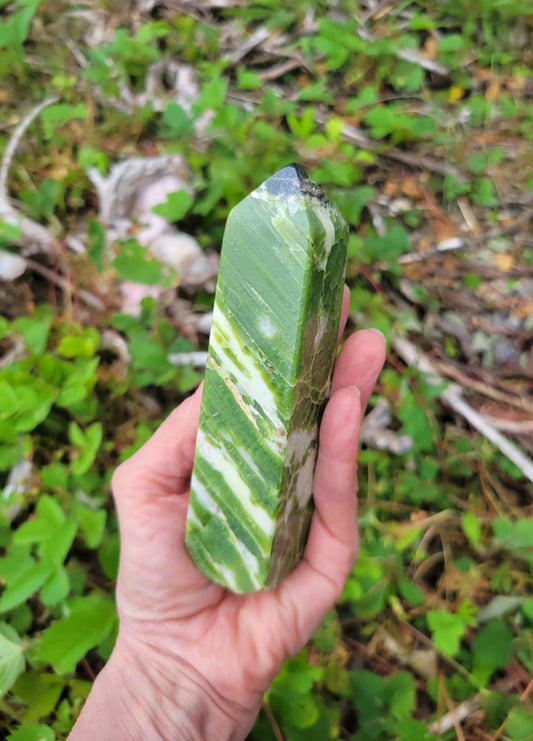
x=271, y=352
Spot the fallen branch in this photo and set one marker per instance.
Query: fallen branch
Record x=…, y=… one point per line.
x=456, y=716
x=33, y=236
x=423, y=162
x=197, y=358
x=447, y=245
x=452, y=396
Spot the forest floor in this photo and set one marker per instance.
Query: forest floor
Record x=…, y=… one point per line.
x=128, y=132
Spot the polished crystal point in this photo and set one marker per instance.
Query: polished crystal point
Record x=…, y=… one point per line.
x=271, y=352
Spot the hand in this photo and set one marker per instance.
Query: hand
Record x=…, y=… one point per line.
x=196, y=656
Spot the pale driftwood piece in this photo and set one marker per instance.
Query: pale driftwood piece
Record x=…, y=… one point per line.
x=447, y=245
x=452, y=396
x=431, y=65
x=16, y=484
x=197, y=358
x=15, y=353
x=115, y=342
x=456, y=716
x=33, y=236
x=375, y=432
x=118, y=192
x=258, y=36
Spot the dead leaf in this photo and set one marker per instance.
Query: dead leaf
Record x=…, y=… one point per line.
x=411, y=187
x=524, y=311
x=504, y=261
x=392, y=188
x=431, y=46
x=493, y=91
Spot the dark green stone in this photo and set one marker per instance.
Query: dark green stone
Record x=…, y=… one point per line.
x=271, y=352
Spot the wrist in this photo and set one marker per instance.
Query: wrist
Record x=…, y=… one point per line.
x=144, y=695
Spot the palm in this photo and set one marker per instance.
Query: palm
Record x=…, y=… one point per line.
x=163, y=596
x=237, y=642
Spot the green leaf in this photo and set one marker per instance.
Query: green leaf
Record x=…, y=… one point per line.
x=26, y=584
x=409, y=729
x=15, y=29
x=89, y=449
x=152, y=30
x=304, y=126
x=290, y=694
x=447, y=630
x=83, y=344
x=76, y=436
x=40, y=691
x=50, y=530
x=513, y=535
x=471, y=528
x=97, y=243
x=366, y=96
x=35, y=328
x=60, y=114
x=12, y=661
x=409, y=591
x=92, y=525
x=56, y=547
x=388, y=247
x=9, y=404
x=66, y=641
x=381, y=121
x=132, y=263
x=328, y=633
x=108, y=555
x=54, y=476
x=493, y=648
x=56, y=587
x=32, y=732
x=299, y=710
x=248, y=80
x=27, y=403
x=351, y=203
x=400, y=694
x=42, y=202
x=49, y=510
x=451, y=42
x=175, y=122
x=211, y=95
x=484, y=193
x=415, y=422
x=175, y=207
x=519, y=725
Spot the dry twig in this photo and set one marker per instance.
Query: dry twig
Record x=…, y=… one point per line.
x=455, y=716
x=33, y=236
x=452, y=396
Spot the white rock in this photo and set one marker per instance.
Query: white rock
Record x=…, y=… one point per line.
x=11, y=266
x=182, y=253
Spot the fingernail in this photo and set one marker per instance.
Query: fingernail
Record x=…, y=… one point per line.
x=357, y=391
x=378, y=331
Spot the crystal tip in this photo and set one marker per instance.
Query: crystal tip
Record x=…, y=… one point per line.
x=293, y=180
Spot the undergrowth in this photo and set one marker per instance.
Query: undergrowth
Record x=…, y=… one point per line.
x=410, y=104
